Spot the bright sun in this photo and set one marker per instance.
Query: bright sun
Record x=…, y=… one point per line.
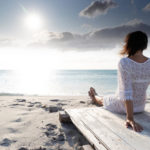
x=33, y=21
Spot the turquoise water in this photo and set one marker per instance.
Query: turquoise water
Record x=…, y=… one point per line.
x=60, y=82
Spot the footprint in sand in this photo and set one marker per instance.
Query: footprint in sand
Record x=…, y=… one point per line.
x=50, y=130
x=12, y=130
x=24, y=148
x=21, y=100
x=61, y=104
x=7, y=142
x=54, y=100
x=32, y=104
x=17, y=120
x=52, y=109
x=54, y=134
x=16, y=104
x=51, y=126
x=82, y=102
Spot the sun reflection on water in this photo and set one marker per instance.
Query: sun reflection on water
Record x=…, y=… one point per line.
x=34, y=81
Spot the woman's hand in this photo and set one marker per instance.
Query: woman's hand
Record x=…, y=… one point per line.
x=130, y=118
x=135, y=126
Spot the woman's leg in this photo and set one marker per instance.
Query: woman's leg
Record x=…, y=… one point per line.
x=95, y=98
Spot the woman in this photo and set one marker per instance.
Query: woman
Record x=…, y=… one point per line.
x=133, y=81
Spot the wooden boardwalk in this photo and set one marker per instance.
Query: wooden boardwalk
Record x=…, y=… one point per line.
x=106, y=131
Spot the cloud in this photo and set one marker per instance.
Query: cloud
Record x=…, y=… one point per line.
x=134, y=22
x=45, y=36
x=98, y=8
x=97, y=39
x=107, y=38
x=4, y=42
x=147, y=7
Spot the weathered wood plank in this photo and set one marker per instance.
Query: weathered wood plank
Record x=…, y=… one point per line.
x=103, y=134
x=109, y=128
x=64, y=117
x=90, y=137
x=108, y=138
x=136, y=140
x=86, y=147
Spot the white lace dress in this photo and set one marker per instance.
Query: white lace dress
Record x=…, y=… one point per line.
x=133, y=81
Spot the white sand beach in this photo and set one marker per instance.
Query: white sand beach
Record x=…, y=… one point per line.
x=29, y=123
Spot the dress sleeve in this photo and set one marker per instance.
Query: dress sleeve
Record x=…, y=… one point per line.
x=125, y=83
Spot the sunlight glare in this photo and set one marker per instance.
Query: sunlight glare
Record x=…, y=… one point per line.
x=34, y=81
x=33, y=21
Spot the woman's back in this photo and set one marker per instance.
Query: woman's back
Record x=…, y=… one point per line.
x=139, y=79
x=140, y=72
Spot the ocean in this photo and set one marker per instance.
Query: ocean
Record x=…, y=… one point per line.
x=58, y=82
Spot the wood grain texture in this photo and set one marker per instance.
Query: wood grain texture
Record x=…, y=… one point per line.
x=106, y=130
x=77, y=120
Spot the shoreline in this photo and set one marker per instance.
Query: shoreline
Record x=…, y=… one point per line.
x=20, y=94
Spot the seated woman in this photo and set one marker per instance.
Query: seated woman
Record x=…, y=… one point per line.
x=133, y=81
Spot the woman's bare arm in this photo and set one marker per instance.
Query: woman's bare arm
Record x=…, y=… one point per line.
x=129, y=109
x=130, y=118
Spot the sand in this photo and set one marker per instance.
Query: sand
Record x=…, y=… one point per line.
x=32, y=123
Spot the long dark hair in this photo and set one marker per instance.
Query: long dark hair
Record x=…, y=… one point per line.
x=134, y=42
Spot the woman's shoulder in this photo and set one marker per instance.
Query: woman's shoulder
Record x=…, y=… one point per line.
x=128, y=64
x=131, y=61
x=123, y=60
x=124, y=64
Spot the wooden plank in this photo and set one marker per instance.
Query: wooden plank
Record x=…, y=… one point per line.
x=86, y=147
x=109, y=128
x=108, y=137
x=115, y=122
x=64, y=117
x=88, y=135
x=102, y=133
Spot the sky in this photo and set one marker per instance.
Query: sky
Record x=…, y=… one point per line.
x=68, y=34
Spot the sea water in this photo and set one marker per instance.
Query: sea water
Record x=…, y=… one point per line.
x=58, y=82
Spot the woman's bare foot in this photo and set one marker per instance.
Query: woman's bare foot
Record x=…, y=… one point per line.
x=94, y=97
x=93, y=92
